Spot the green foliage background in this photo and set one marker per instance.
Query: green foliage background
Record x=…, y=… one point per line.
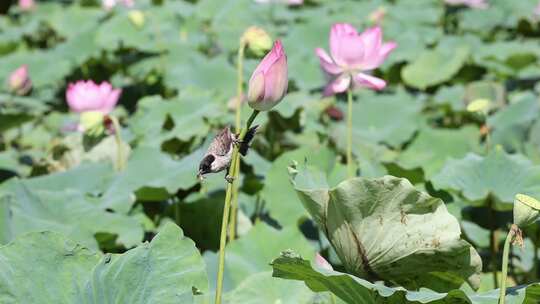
x=66, y=212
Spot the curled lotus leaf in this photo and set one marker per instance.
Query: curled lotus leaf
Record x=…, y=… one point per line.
x=385, y=229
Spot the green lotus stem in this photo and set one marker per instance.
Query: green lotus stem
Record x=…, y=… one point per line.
x=350, y=168
x=493, y=238
x=120, y=156
x=226, y=208
x=239, y=82
x=506, y=253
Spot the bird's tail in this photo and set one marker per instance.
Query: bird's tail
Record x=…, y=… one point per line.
x=244, y=145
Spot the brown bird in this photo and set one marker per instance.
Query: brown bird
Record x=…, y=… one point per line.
x=219, y=155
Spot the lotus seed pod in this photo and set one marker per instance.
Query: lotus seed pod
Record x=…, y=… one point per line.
x=92, y=122
x=479, y=105
x=526, y=210
x=137, y=18
x=257, y=40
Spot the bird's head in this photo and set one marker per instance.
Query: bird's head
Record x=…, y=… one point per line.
x=206, y=165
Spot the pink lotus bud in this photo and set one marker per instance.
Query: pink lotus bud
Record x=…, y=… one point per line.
x=268, y=83
x=26, y=5
x=19, y=82
x=322, y=262
x=86, y=96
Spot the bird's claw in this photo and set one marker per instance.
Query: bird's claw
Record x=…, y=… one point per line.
x=237, y=142
x=229, y=179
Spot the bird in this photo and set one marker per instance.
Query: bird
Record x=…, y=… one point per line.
x=219, y=154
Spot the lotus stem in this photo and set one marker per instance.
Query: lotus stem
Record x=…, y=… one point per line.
x=350, y=168
x=506, y=253
x=120, y=156
x=226, y=208
x=239, y=82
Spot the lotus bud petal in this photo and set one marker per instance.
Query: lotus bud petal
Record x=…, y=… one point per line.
x=526, y=210
x=257, y=40
x=19, y=82
x=268, y=83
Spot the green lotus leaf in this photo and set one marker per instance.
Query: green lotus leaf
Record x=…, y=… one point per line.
x=251, y=253
x=183, y=115
x=432, y=147
x=165, y=270
x=280, y=198
x=385, y=229
x=354, y=290
x=67, y=211
x=421, y=72
x=497, y=175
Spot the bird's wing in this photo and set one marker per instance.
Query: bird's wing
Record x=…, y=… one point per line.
x=222, y=142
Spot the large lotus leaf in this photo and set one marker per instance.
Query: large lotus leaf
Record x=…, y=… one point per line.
x=374, y=122
x=433, y=147
x=412, y=24
x=507, y=57
x=10, y=161
x=434, y=66
x=166, y=270
x=510, y=125
x=498, y=175
x=384, y=228
x=46, y=267
x=523, y=109
x=38, y=67
x=389, y=118
x=159, y=29
x=252, y=253
x=184, y=113
x=74, y=19
x=354, y=290
x=230, y=18
x=274, y=291
x=81, y=178
x=215, y=74
x=454, y=96
x=369, y=156
x=151, y=175
x=280, y=198
x=64, y=211
x=500, y=13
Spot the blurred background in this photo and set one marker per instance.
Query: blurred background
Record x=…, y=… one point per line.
x=458, y=118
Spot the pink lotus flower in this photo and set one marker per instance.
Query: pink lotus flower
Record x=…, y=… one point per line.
x=322, y=262
x=109, y=4
x=268, y=83
x=481, y=4
x=26, y=5
x=289, y=2
x=19, y=82
x=86, y=96
x=353, y=54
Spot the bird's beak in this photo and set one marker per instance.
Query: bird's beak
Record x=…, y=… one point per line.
x=200, y=176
